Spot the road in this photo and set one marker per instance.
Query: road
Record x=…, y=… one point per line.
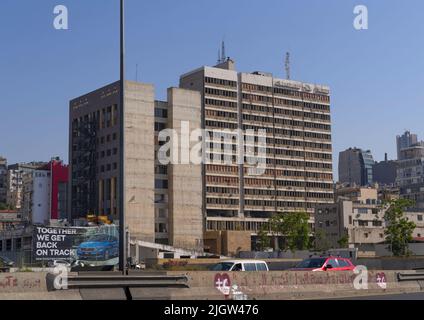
x=404, y=296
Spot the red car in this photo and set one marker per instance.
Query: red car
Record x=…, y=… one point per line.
x=325, y=264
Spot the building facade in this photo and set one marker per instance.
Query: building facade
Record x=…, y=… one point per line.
x=405, y=141
x=358, y=215
x=163, y=201
x=3, y=180
x=384, y=172
x=410, y=174
x=297, y=158
x=44, y=193
x=15, y=175
x=356, y=167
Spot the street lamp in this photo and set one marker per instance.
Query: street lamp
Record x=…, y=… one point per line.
x=122, y=227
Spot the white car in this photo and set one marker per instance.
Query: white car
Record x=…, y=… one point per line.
x=241, y=265
x=57, y=263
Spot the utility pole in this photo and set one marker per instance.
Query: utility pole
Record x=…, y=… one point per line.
x=122, y=225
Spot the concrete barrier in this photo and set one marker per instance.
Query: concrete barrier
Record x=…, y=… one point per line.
x=283, y=285
x=206, y=285
x=31, y=286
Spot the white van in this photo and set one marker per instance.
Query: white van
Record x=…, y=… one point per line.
x=241, y=265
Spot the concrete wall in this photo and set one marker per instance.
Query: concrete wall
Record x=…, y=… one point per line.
x=185, y=177
x=139, y=157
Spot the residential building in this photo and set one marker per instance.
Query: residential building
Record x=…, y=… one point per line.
x=357, y=214
x=44, y=193
x=355, y=167
x=3, y=180
x=15, y=173
x=163, y=201
x=405, y=141
x=298, y=157
x=384, y=172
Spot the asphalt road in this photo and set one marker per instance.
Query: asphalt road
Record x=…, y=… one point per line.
x=404, y=296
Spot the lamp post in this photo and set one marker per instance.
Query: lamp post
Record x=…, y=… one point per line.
x=122, y=226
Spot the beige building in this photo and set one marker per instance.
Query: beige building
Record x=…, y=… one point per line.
x=359, y=215
x=298, y=155
x=155, y=209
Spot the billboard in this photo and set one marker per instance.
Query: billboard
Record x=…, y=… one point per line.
x=97, y=245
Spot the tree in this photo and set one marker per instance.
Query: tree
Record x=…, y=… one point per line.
x=3, y=206
x=398, y=228
x=263, y=238
x=321, y=241
x=294, y=227
x=343, y=242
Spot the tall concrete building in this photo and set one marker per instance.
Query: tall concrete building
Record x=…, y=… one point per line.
x=410, y=174
x=355, y=167
x=163, y=202
x=298, y=156
x=405, y=141
x=3, y=180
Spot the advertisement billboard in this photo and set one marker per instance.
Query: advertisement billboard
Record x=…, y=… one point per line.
x=92, y=245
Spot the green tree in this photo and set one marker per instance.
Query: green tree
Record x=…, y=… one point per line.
x=343, y=242
x=3, y=206
x=321, y=241
x=294, y=228
x=263, y=238
x=398, y=228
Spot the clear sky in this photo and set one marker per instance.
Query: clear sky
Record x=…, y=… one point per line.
x=376, y=75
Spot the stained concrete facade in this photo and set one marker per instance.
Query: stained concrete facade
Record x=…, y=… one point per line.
x=163, y=202
x=185, y=179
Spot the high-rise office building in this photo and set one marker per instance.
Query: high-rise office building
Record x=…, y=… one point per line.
x=355, y=167
x=405, y=141
x=163, y=202
x=410, y=174
x=298, y=159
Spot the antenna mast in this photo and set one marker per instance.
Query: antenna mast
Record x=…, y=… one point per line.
x=287, y=65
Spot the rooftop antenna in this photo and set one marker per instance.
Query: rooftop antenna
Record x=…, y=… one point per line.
x=223, y=56
x=287, y=65
x=219, y=56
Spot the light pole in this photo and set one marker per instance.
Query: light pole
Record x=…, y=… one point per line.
x=122, y=227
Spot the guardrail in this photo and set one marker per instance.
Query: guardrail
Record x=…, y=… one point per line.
x=120, y=281
x=417, y=276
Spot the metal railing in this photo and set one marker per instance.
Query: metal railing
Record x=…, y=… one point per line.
x=87, y=281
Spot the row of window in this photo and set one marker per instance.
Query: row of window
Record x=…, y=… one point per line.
x=289, y=183
x=286, y=112
x=287, y=122
x=222, y=82
x=221, y=93
x=288, y=194
x=231, y=202
x=210, y=189
x=221, y=114
x=290, y=133
x=107, y=153
x=221, y=103
x=108, y=167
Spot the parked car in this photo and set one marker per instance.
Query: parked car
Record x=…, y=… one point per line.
x=99, y=247
x=6, y=264
x=57, y=263
x=241, y=265
x=325, y=264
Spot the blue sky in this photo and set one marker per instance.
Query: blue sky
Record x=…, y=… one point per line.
x=376, y=75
